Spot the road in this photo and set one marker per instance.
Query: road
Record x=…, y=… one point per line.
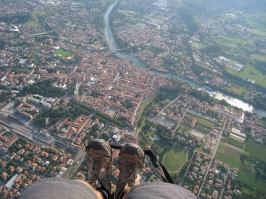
x=168, y=105
x=178, y=124
x=78, y=160
x=222, y=192
x=212, y=157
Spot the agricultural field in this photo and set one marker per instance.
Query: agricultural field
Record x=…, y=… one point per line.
x=259, y=57
x=227, y=155
x=232, y=72
x=249, y=178
x=175, y=158
x=231, y=140
x=255, y=149
x=261, y=80
x=249, y=72
x=259, y=32
x=63, y=53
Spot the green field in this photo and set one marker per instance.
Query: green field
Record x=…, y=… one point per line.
x=256, y=150
x=259, y=57
x=175, y=158
x=261, y=80
x=226, y=157
x=235, y=142
x=63, y=53
x=144, y=105
x=233, y=72
x=260, y=122
x=259, y=32
x=197, y=45
x=32, y=23
x=249, y=72
x=249, y=178
x=202, y=121
x=236, y=89
x=160, y=145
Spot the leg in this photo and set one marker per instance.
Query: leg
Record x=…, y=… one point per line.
x=99, y=163
x=60, y=188
x=158, y=190
x=131, y=163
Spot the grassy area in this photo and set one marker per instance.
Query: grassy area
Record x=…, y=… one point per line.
x=233, y=72
x=260, y=122
x=197, y=45
x=259, y=32
x=32, y=23
x=261, y=80
x=226, y=157
x=259, y=57
x=160, y=144
x=249, y=178
x=144, y=105
x=235, y=142
x=154, y=50
x=256, y=150
x=63, y=53
x=202, y=121
x=175, y=158
x=249, y=72
x=236, y=89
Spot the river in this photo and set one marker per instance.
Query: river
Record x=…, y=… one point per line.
x=218, y=95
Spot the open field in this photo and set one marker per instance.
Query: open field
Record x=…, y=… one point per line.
x=260, y=122
x=202, y=121
x=229, y=149
x=256, y=150
x=259, y=57
x=197, y=45
x=249, y=178
x=236, y=89
x=161, y=145
x=233, y=72
x=175, y=158
x=261, y=80
x=144, y=105
x=249, y=72
x=225, y=155
x=63, y=53
x=235, y=142
x=32, y=23
x=259, y=32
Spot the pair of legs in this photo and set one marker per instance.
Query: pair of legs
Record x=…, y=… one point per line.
x=131, y=163
x=99, y=162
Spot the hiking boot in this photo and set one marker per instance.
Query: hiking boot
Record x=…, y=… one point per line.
x=131, y=163
x=99, y=164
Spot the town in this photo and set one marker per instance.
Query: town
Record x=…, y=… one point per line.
x=61, y=84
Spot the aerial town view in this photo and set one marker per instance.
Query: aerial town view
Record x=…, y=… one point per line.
x=185, y=79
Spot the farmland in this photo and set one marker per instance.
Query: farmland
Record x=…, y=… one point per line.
x=225, y=156
x=256, y=150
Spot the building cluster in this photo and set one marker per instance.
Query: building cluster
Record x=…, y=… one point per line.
x=23, y=163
